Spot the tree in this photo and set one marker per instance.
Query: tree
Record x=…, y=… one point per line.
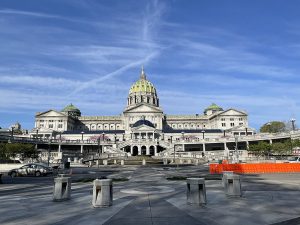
x=262, y=148
x=281, y=148
x=273, y=127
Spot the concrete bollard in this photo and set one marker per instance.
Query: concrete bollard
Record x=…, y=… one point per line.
x=165, y=161
x=233, y=185
x=105, y=162
x=224, y=179
x=62, y=188
x=196, y=191
x=102, y=193
x=144, y=162
x=122, y=162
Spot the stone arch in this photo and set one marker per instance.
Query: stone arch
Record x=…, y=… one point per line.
x=152, y=150
x=143, y=150
x=135, y=150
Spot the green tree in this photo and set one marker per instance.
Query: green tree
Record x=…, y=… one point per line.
x=262, y=148
x=281, y=148
x=273, y=127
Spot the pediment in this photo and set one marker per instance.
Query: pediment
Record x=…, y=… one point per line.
x=143, y=128
x=232, y=112
x=143, y=108
x=50, y=113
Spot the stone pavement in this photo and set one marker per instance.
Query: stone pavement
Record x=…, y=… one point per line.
x=149, y=198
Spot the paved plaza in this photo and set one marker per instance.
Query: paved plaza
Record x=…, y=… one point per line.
x=149, y=198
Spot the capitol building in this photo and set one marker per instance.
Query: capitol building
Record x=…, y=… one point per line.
x=142, y=128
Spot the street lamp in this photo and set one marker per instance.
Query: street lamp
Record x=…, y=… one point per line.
x=293, y=123
x=49, y=142
x=203, y=132
x=82, y=132
x=12, y=132
x=36, y=141
x=236, y=148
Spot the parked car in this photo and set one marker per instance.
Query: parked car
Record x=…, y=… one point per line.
x=295, y=159
x=32, y=169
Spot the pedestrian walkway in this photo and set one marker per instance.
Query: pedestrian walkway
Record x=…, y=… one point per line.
x=150, y=210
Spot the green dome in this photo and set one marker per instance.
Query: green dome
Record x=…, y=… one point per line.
x=213, y=107
x=71, y=108
x=142, y=85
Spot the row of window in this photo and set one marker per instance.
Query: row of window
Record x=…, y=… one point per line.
x=231, y=119
x=231, y=124
x=51, y=121
x=186, y=126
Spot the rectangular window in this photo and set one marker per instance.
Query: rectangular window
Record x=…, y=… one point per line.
x=231, y=119
x=223, y=124
x=41, y=120
x=60, y=121
x=222, y=119
x=60, y=125
x=240, y=123
x=51, y=121
x=50, y=125
x=240, y=119
x=232, y=124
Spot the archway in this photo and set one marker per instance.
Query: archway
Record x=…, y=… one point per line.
x=151, y=150
x=143, y=150
x=135, y=150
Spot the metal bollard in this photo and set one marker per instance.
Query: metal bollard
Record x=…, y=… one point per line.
x=196, y=191
x=62, y=188
x=102, y=193
x=224, y=179
x=233, y=185
x=144, y=162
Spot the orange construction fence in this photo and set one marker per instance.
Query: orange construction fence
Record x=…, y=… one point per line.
x=256, y=168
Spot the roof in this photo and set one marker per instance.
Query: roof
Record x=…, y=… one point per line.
x=142, y=85
x=143, y=122
x=213, y=107
x=70, y=108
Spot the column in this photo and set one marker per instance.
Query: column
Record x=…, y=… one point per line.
x=183, y=147
x=139, y=150
x=140, y=137
x=147, y=150
x=153, y=136
x=59, y=148
x=81, y=149
x=155, y=150
x=131, y=150
x=247, y=144
x=203, y=147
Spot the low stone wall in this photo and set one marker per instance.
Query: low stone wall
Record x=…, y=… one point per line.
x=8, y=166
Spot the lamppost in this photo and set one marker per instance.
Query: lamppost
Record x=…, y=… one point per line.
x=12, y=132
x=236, y=148
x=203, y=132
x=36, y=141
x=82, y=132
x=49, y=142
x=246, y=131
x=293, y=123
x=103, y=142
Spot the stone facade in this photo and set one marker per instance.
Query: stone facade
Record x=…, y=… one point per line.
x=142, y=128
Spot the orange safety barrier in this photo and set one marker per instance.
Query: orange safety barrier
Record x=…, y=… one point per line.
x=256, y=168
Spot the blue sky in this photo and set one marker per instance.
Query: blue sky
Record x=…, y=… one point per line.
x=236, y=53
